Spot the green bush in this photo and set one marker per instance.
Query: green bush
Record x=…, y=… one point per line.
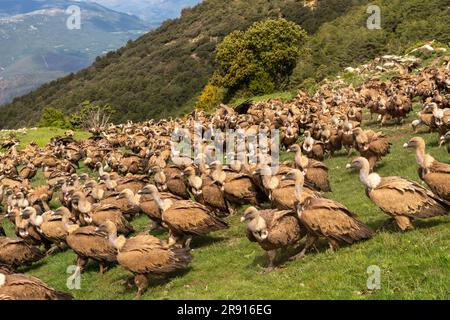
x=210, y=98
x=260, y=58
x=261, y=83
x=52, y=117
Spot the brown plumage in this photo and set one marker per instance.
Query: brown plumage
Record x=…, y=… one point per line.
x=102, y=213
x=132, y=182
x=273, y=230
x=146, y=255
x=403, y=200
x=207, y=192
x=282, y=192
x=15, y=253
x=98, y=214
x=25, y=287
x=149, y=205
x=331, y=220
x=175, y=182
x=372, y=145
x=239, y=188
x=435, y=174
x=186, y=218
x=53, y=228
x=316, y=173
x=28, y=171
x=90, y=242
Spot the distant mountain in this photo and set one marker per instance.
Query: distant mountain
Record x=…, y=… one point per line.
x=36, y=46
x=154, y=12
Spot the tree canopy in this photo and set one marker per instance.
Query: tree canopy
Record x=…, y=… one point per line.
x=260, y=58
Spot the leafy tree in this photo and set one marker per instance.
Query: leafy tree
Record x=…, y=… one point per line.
x=264, y=55
x=52, y=117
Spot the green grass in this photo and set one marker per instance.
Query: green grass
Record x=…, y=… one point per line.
x=414, y=265
x=283, y=95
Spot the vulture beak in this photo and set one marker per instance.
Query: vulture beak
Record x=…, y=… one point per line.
x=406, y=145
x=348, y=166
x=242, y=219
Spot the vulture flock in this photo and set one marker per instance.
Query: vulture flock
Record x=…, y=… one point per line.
x=134, y=168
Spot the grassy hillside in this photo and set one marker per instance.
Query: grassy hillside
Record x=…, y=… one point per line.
x=162, y=72
x=414, y=265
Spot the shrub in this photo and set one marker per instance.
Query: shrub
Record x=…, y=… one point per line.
x=52, y=117
x=210, y=98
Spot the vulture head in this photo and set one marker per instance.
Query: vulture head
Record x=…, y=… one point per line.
x=357, y=163
x=414, y=143
x=294, y=148
x=149, y=189
x=249, y=214
x=255, y=223
x=126, y=193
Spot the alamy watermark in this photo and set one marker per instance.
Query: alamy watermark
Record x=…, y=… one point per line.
x=73, y=22
x=374, y=279
x=374, y=20
x=246, y=146
x=74, y=280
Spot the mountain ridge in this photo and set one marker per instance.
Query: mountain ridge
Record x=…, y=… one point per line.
x=37, y=46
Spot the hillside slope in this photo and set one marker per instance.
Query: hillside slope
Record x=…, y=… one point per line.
x=36, y=45
x=162, y=72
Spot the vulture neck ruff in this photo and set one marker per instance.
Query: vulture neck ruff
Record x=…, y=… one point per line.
x=370, y=181
x=2, y=280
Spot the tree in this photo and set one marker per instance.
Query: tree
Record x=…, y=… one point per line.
x=52, y=117
x=210, y=97
x=92, y=117
x=269, y=48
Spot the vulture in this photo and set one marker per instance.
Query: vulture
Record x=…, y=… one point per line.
x=282, y=191
x=175, y=182
x=372, y=145
x=16, y=252
x=316, y=173
x=98, y=214
x=27, y=227
x=435, y=174
x=90, y=242
x=25, y=287
x=238, y=187
x=403, y=200
x=273, y=230
x=329, y=219
x=207, y=192
x=148, y=199
x=146, y=255
x=187, y=218
x=53, y=228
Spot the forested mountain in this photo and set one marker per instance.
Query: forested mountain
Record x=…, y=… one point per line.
x=36, y=46
x=162, y=72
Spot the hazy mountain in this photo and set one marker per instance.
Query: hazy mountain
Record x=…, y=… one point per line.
x=36, y=45
x=153, y=12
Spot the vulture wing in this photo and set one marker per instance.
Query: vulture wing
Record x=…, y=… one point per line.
x=146, y=254
x=398, y=196
x=332, y=220
x=192, y=218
